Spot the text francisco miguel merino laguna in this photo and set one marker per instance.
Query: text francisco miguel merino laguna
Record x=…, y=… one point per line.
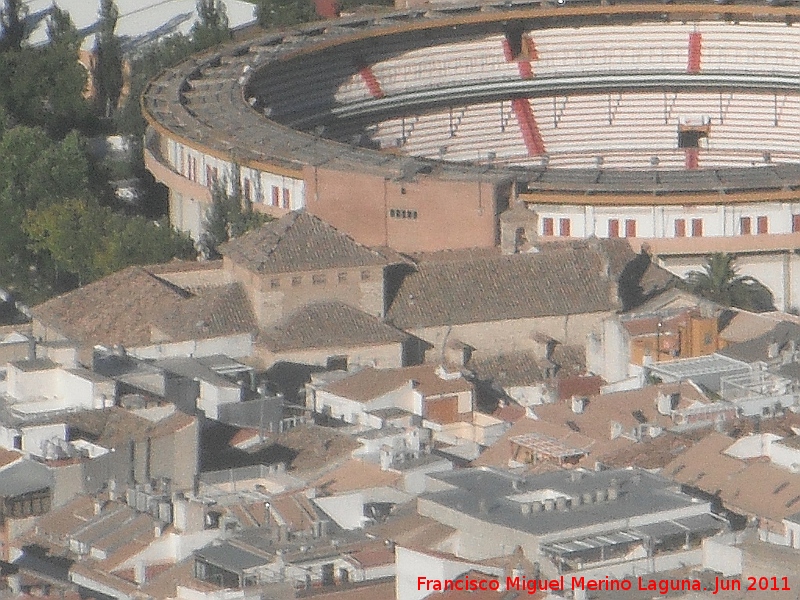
x=660, y=586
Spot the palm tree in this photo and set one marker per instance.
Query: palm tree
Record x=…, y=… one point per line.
x=719, y=281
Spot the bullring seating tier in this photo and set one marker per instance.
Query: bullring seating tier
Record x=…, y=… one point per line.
x=625, y=130
x=217, y=103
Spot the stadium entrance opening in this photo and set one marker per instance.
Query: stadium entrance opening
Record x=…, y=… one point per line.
x=694, y=134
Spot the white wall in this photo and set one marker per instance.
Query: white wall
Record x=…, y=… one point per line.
x=410, y=565
x=212, y=396
x=722, y=557
x=235, y=346
x=34, y=436
x=24, y=386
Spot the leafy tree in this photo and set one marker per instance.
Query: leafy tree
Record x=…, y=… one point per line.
x=43, y=86
x=227, y=217
x=108, y=68
x=74, y=234
x=139, y=241
x=89, y=241
x=719, y=281
x=35, y=170
x=61, y=29
x=283, y=13
x=212, y=25
x=12, y=25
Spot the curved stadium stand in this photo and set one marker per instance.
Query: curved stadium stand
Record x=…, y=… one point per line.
x=674, y=125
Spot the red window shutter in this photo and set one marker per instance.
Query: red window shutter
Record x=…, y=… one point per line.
x=630, y=228
x=275, y=196
x=285, y=197
x=745, y=227
x=209, y=176
x=547, y=226
x=697, y=227
x=680, y=227
x=247, y=192
x=613, y=228
x=763, y=225
x=795, y=223
x=564, y=227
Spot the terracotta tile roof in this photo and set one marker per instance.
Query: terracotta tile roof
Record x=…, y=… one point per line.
x=329, y=324
x=385, y=590
x=293, y=510
x=559, y=279
x=8, y=457
x=114, y=426
x=592, y=428
x=509, y=413
x=746, y=326
x=369, y=383
x=299, y=241
x=410, y=529
x=754, y=487
x=523, y=368
x=373, y=554
x=578, y=385
x=354, y=475
x=758, y=348
x=164, y=584
x=314, y=447
x=135, y=307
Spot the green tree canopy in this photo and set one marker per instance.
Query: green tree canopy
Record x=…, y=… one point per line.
x=89, y=241
x=227, y=217
x=108, y=68
x=45, y=88
x=12, y=25
x=719, y=281
x=212, y=25
x=283, y=13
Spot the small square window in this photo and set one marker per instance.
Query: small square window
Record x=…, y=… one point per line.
x=297, y=281
x=364, y=275
x=342, y=276
x=275, y=283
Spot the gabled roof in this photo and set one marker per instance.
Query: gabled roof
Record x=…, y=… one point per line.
x=758, y=349
x=326, y=325
x=299, y=241
x=136, y=307
x=558, y=279
x=753, y=487
x=369, y=383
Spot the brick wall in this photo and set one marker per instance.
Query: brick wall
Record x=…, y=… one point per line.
x=276, y=296
x=425, y=214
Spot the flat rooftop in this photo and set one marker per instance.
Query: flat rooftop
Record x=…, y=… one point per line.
x=488, y=495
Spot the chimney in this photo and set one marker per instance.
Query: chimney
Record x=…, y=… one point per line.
x=549, y=504
x=601, y=494
x=536, y=507
x=578, y=404
x=483, y=506
x=112, y=490
x=525, y=508
x=561, y=503
x=664, y=404
x=140, y=573
x=98, y=506
x=773, y=350
x=588, y=498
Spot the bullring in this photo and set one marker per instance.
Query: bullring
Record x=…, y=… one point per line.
x=674, y=125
